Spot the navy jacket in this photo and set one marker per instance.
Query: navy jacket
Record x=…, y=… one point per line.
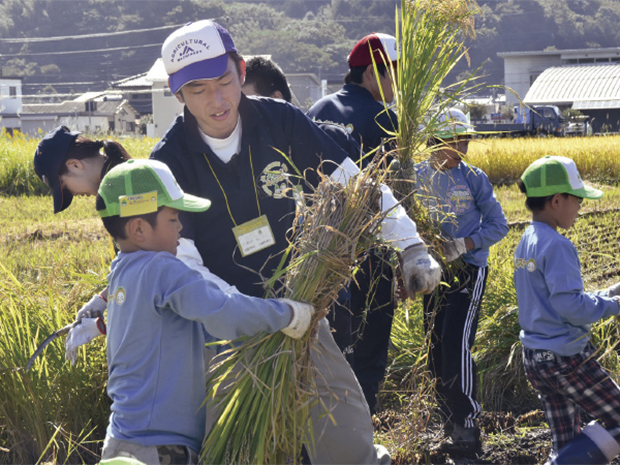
x=355, y=108
x=275, y=135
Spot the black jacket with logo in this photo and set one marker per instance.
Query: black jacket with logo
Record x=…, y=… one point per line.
x=366, y=119
x=275, y=136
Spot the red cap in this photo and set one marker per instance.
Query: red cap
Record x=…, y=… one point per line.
x=383, y=48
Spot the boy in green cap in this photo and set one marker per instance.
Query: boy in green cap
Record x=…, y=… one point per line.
x=158, y=312
x=555, y=316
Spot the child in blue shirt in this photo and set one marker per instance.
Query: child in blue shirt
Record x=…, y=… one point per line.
x=555, y=316
x=158, y=311
x=461, y=200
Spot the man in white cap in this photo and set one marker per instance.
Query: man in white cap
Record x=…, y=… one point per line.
x=241, y=152
x=360, y=107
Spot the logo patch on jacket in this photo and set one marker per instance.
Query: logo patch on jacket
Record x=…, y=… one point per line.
x=460, y=199
x=274, y=180
x=118, y=296
x=528, y=264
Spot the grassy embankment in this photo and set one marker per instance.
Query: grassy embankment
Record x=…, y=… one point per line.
x=51, y=264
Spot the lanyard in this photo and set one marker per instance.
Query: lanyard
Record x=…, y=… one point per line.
x=224, y=192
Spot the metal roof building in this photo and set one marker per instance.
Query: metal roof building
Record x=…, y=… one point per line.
x=592, y=89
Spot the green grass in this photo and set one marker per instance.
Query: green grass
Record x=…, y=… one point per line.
x=50, y=266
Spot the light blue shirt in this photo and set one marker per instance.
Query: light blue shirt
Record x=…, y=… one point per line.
x=461, y=200
x=157, y=307
x=554, y=311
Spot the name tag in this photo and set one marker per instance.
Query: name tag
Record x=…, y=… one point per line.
x=141, y=204
x=254, y=235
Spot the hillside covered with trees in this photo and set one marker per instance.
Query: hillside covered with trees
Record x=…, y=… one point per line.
x=65, y=46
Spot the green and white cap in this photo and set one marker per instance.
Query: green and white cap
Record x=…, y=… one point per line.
x=556, y=175
x=453, y=123
x=138, y=187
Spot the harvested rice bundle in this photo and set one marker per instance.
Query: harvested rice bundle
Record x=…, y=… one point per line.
x=432, y=36
x=265, y=385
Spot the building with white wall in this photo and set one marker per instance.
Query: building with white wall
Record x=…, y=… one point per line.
x=166, y=107
x=10, y=103
x=522, y=68
x=100, y=116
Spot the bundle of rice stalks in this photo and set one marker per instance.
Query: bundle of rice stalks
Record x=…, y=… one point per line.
x=432, y=37
x=265, y=386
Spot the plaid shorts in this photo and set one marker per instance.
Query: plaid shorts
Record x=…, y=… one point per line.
x=567, y=383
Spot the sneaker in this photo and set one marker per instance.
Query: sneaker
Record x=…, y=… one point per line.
x=463, y=439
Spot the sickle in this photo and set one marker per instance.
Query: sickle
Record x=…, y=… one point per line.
x=49, y=339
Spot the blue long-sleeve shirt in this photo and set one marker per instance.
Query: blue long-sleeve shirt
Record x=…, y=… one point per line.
x=463, y=203
x=554, y=311
x=157, y=309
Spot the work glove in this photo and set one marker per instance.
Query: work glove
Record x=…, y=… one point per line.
x=94, y=308
x=302, y=314
x=453, y=249
x=613, y=290
x=83, y=333
x=421, y=273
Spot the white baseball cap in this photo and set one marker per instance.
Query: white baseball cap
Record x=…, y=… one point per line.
x=196, y=51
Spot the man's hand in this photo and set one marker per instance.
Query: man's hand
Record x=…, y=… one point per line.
x=301, y=314
x=453, y=249
x=83, y=333
x=94, y=308
x=421, y=272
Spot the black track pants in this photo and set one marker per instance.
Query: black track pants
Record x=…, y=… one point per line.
x=452, y=317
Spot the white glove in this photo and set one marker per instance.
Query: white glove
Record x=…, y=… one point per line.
x=613, y=290
x=420, y=271
x=454, y=248
x=94, y=308
x=83, y=333
x=302, y=314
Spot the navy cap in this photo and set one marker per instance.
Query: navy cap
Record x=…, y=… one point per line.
x=48, y=159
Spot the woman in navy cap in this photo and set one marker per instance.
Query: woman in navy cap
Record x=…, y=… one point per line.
x=71, y=164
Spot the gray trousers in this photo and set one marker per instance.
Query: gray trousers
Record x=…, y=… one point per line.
x=150, y=455
x=348, y=438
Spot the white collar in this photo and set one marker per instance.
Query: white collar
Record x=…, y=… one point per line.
x=227, y=147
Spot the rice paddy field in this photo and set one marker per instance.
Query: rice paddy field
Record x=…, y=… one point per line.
x=51, y=264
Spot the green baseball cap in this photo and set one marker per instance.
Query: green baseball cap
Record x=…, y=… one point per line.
x=556, y=175
x=138, y=187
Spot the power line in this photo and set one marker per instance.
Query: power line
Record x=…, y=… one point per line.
x=114, y=49
x=22, y=40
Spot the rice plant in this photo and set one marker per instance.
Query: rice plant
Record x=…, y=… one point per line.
x=265, y=406
x=50, y=266
x=432, y=41
x=504, y=160
x=52, y=398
